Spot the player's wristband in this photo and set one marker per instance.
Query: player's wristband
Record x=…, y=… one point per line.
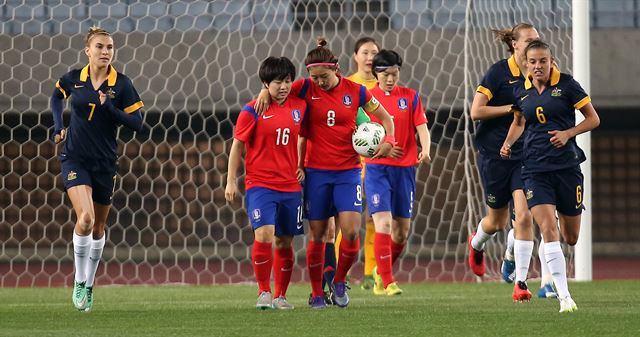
x=391, y=139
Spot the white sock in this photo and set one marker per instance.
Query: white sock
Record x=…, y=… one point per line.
x=545, y=276
x=94, y=259
x=522, y=251
x=508, y=254
x=480, y=238
x=557, y=267
x=81, y=255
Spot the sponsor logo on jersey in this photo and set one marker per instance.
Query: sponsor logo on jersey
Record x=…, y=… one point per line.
x=256, y=214
x=346, y=100
x=557, y=92
x=375, y=200
x=72, y=175
x=296, y=115
x=513, y=81
x=491, y=199
x=76, y=86
x=402, y=104
x=523, y=97
x=529, y=194
x=111, y=93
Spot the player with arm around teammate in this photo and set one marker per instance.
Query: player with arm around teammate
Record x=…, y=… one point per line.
x=332, y=184
x=102, y=99
x=501, y=179
x=273, y=192
x=545, y=113
x=390, y=183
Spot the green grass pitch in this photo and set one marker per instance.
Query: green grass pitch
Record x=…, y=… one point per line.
x=605, y=308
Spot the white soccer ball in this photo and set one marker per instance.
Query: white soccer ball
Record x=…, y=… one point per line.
x=367, y=137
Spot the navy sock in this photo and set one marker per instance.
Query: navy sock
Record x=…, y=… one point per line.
x=329, y=265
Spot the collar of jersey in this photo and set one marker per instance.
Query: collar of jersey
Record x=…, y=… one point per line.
x=513, y=66
x=555, y=78
x=111, y=79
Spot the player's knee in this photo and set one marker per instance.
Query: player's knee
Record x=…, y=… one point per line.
x=400, y=237
x=524, y=219
x=86, y=221
x=571, y=238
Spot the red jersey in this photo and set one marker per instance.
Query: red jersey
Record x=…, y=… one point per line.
x=405, y=107
x=271, y=142
x=331, y=122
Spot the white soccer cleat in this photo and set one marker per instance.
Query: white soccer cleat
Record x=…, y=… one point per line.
x=265, y=301
x=568, y=305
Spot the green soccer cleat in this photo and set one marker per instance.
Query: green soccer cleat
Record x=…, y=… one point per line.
x=89, y=304
x=568, y=305
x=378, y=285
x=367, y=282
x=392, y=289
x=79, y=295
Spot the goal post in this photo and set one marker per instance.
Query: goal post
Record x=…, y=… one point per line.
x=195, y=65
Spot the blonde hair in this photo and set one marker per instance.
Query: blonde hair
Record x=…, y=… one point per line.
x=94, y=31
x=511, y=34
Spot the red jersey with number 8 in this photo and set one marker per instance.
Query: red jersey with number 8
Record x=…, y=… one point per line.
x=331, y=122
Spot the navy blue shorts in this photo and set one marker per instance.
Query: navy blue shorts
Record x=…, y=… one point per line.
x=563, y=188
x=101, y=178
x=269, y=207
x=390, y=188
x=328, y=192
x=499, y=178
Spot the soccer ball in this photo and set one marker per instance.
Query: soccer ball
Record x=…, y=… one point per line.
x=367, y=137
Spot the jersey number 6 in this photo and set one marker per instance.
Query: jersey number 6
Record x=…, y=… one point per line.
x=541, y=117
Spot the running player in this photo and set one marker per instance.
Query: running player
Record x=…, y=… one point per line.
x=102, y=99
x=545, y=108
x=501, y=179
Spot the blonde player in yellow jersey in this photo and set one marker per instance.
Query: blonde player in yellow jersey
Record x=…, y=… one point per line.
x=365, y=49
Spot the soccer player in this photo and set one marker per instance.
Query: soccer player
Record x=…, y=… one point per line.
x=332, y=183
x=102, y=99
x=545, y=108
x=390, y=183
x=501, y=178
x=273, y=198
x=364, y=51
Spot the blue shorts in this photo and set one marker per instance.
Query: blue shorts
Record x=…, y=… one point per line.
x=270, y=207
x=390, y=188
x=101, y=178
x=328, y=192
x=563, y=188
x=499, y=178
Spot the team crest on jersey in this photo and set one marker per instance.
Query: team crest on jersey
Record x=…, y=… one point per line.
x=491, y=199
x=529, y=194
x=375, y=200
x=111, y=93
x=557, y=92
x=296, y=115
x=402, y=104
x=256, y=214
x=346, y=100
x=72, y=175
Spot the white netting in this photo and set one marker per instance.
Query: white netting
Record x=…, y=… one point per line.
x=195, y=64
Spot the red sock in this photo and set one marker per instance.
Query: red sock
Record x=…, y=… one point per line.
x=282, y=269
x=261, y=258
x=396, y=250
x=347, y=255
x=382, y=249
x=315, y=262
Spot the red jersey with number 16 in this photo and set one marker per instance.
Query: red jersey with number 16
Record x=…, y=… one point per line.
x=331, y=122
x=271, y=142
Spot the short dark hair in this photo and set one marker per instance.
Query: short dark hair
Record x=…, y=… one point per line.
x=384, y=59
x=537, y=44
x=276, y=68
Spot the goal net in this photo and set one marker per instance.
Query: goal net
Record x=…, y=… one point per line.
x=195, y=65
